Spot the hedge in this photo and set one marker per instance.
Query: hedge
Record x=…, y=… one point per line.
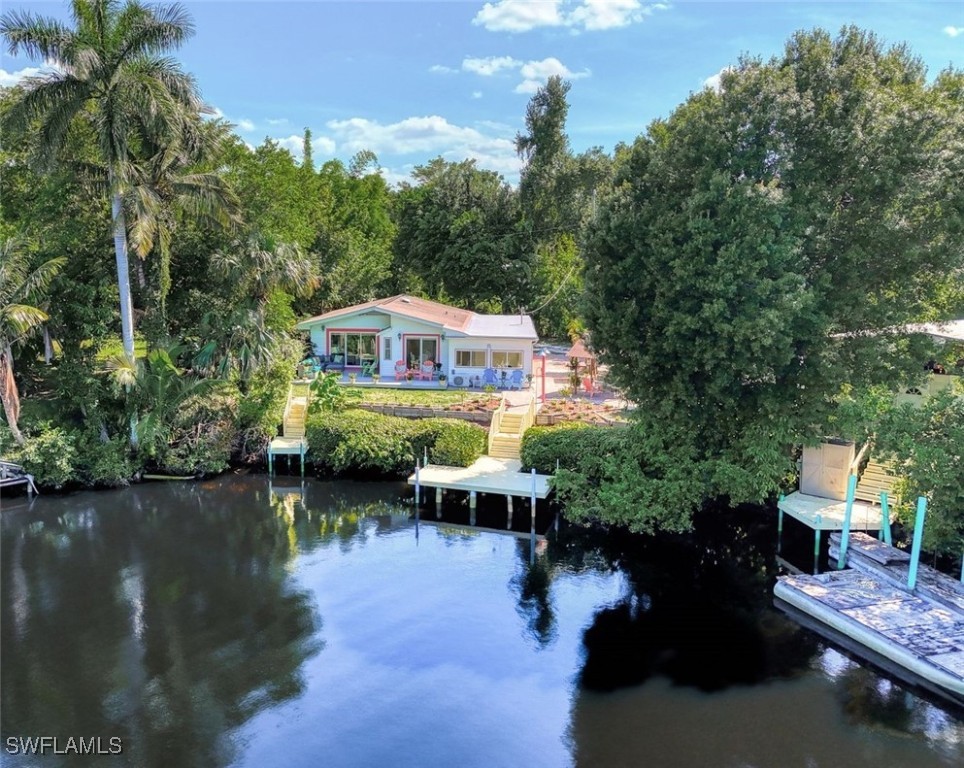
x=359, y=441
x=569, y=443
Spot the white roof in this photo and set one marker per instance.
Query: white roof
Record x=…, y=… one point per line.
x=501, y=327
x=952, y=330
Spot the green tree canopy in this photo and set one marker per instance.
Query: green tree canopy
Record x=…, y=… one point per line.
x=754, y=238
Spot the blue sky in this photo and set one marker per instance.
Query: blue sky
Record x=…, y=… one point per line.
x=411, y=80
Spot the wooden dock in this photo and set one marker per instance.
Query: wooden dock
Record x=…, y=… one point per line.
x=486, y=475
x=822, y=514
x=12, y=475
x=916, y=634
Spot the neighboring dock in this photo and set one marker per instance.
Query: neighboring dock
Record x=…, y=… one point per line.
x=12, y=475
x=916, y=633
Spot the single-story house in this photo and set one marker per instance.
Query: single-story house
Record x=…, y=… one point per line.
x=412, y=331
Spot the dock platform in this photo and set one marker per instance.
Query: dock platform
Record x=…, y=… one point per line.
x=486, y=475
x=822, y=514
x=917, y=635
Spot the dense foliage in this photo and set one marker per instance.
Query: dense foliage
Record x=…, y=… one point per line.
x=362, y=442
x=752, y=241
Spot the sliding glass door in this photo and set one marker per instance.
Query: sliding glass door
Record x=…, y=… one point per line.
x=358, y=348
x=419, y=349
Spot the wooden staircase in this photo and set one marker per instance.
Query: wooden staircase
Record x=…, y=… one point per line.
x=508, y=427
x=296, y=411
x=873, y=481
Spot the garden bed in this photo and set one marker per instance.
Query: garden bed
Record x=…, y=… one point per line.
x=559, y=411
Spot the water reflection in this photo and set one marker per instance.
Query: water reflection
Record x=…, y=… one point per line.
x=161, y=614
x=237, y=622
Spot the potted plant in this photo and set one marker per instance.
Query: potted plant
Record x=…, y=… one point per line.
x=352, y=377
x=376, y=377
x=443, y=379
x=409, y=376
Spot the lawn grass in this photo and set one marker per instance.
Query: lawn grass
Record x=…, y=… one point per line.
x=419, y=398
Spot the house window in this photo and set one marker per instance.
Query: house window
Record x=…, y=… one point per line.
x=419, y=349
x=358, y=348
x=506, y=359
x=470, y=358
x=386, y=348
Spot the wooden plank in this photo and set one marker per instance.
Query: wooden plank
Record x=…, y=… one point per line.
x=873, y=548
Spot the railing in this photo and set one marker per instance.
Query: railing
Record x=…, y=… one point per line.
x=496, y=423
x=529, y=417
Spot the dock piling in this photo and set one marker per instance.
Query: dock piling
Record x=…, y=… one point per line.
x=508, y=509
x=816, y=543
x=885, y=519
x=845, y=536
x=915, y=548
x=418, y=488
x=779, y=524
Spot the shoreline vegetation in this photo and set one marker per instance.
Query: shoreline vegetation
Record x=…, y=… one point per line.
x=727, y=264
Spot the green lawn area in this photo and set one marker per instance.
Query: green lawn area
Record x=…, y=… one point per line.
x=423, y=398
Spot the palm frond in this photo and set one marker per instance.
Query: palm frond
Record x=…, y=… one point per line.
x=35, y=36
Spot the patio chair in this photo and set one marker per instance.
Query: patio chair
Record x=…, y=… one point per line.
x=489, y=378
x=427, y=371
x=401, y=370
x=515, y=379
x=370, y=368
x=335, y=362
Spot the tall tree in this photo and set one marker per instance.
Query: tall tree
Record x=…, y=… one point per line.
x=753, y=237
x=461, y=237
x=20, y=288
x=109, y=70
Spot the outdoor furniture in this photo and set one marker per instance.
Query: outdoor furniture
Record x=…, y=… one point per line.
x=489, y=378
x=335, y=362
x=369, y=368
x=401, y=370
x=427, y=371
x=515, y=379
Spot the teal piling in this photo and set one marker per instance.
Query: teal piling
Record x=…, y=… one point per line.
x=817, y=522
x=302, y=454
x=915, y=549
x=845, y=535
x=270, y=463
x=425, y=457
x=885, y=519
x=779, y=524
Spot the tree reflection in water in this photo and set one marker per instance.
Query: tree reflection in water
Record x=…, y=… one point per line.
x=130, y=618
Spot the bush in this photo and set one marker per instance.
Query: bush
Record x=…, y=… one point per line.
x=49, y=455
x=452, y=442
x=202, y=435
x=361, y=441
x=262, y=404
x=102, y=464
x=565, y=443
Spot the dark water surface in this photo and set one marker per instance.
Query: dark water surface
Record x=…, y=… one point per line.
x=220, y=624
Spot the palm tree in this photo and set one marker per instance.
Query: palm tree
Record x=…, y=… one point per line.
x=108, y=70
x=172, y=181
x=19, y=285
x=258, y=267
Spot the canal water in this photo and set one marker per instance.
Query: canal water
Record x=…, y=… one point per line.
x=233, y=623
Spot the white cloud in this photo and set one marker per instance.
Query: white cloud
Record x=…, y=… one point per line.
x=441, y=69
x=607, y=14
x=320, y=145
x=535, y=74
x=716, y=81
x=215, y=113
x=590, y=15
x=277, y=121
x=426, y=135
x=491, y=65
x=245, y=125
x=953, y=31
x=476, y=94
x=10, y=79
x=519, y=15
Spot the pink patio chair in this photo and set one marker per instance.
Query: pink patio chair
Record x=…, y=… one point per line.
x=401, y=370
x=427, y=371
